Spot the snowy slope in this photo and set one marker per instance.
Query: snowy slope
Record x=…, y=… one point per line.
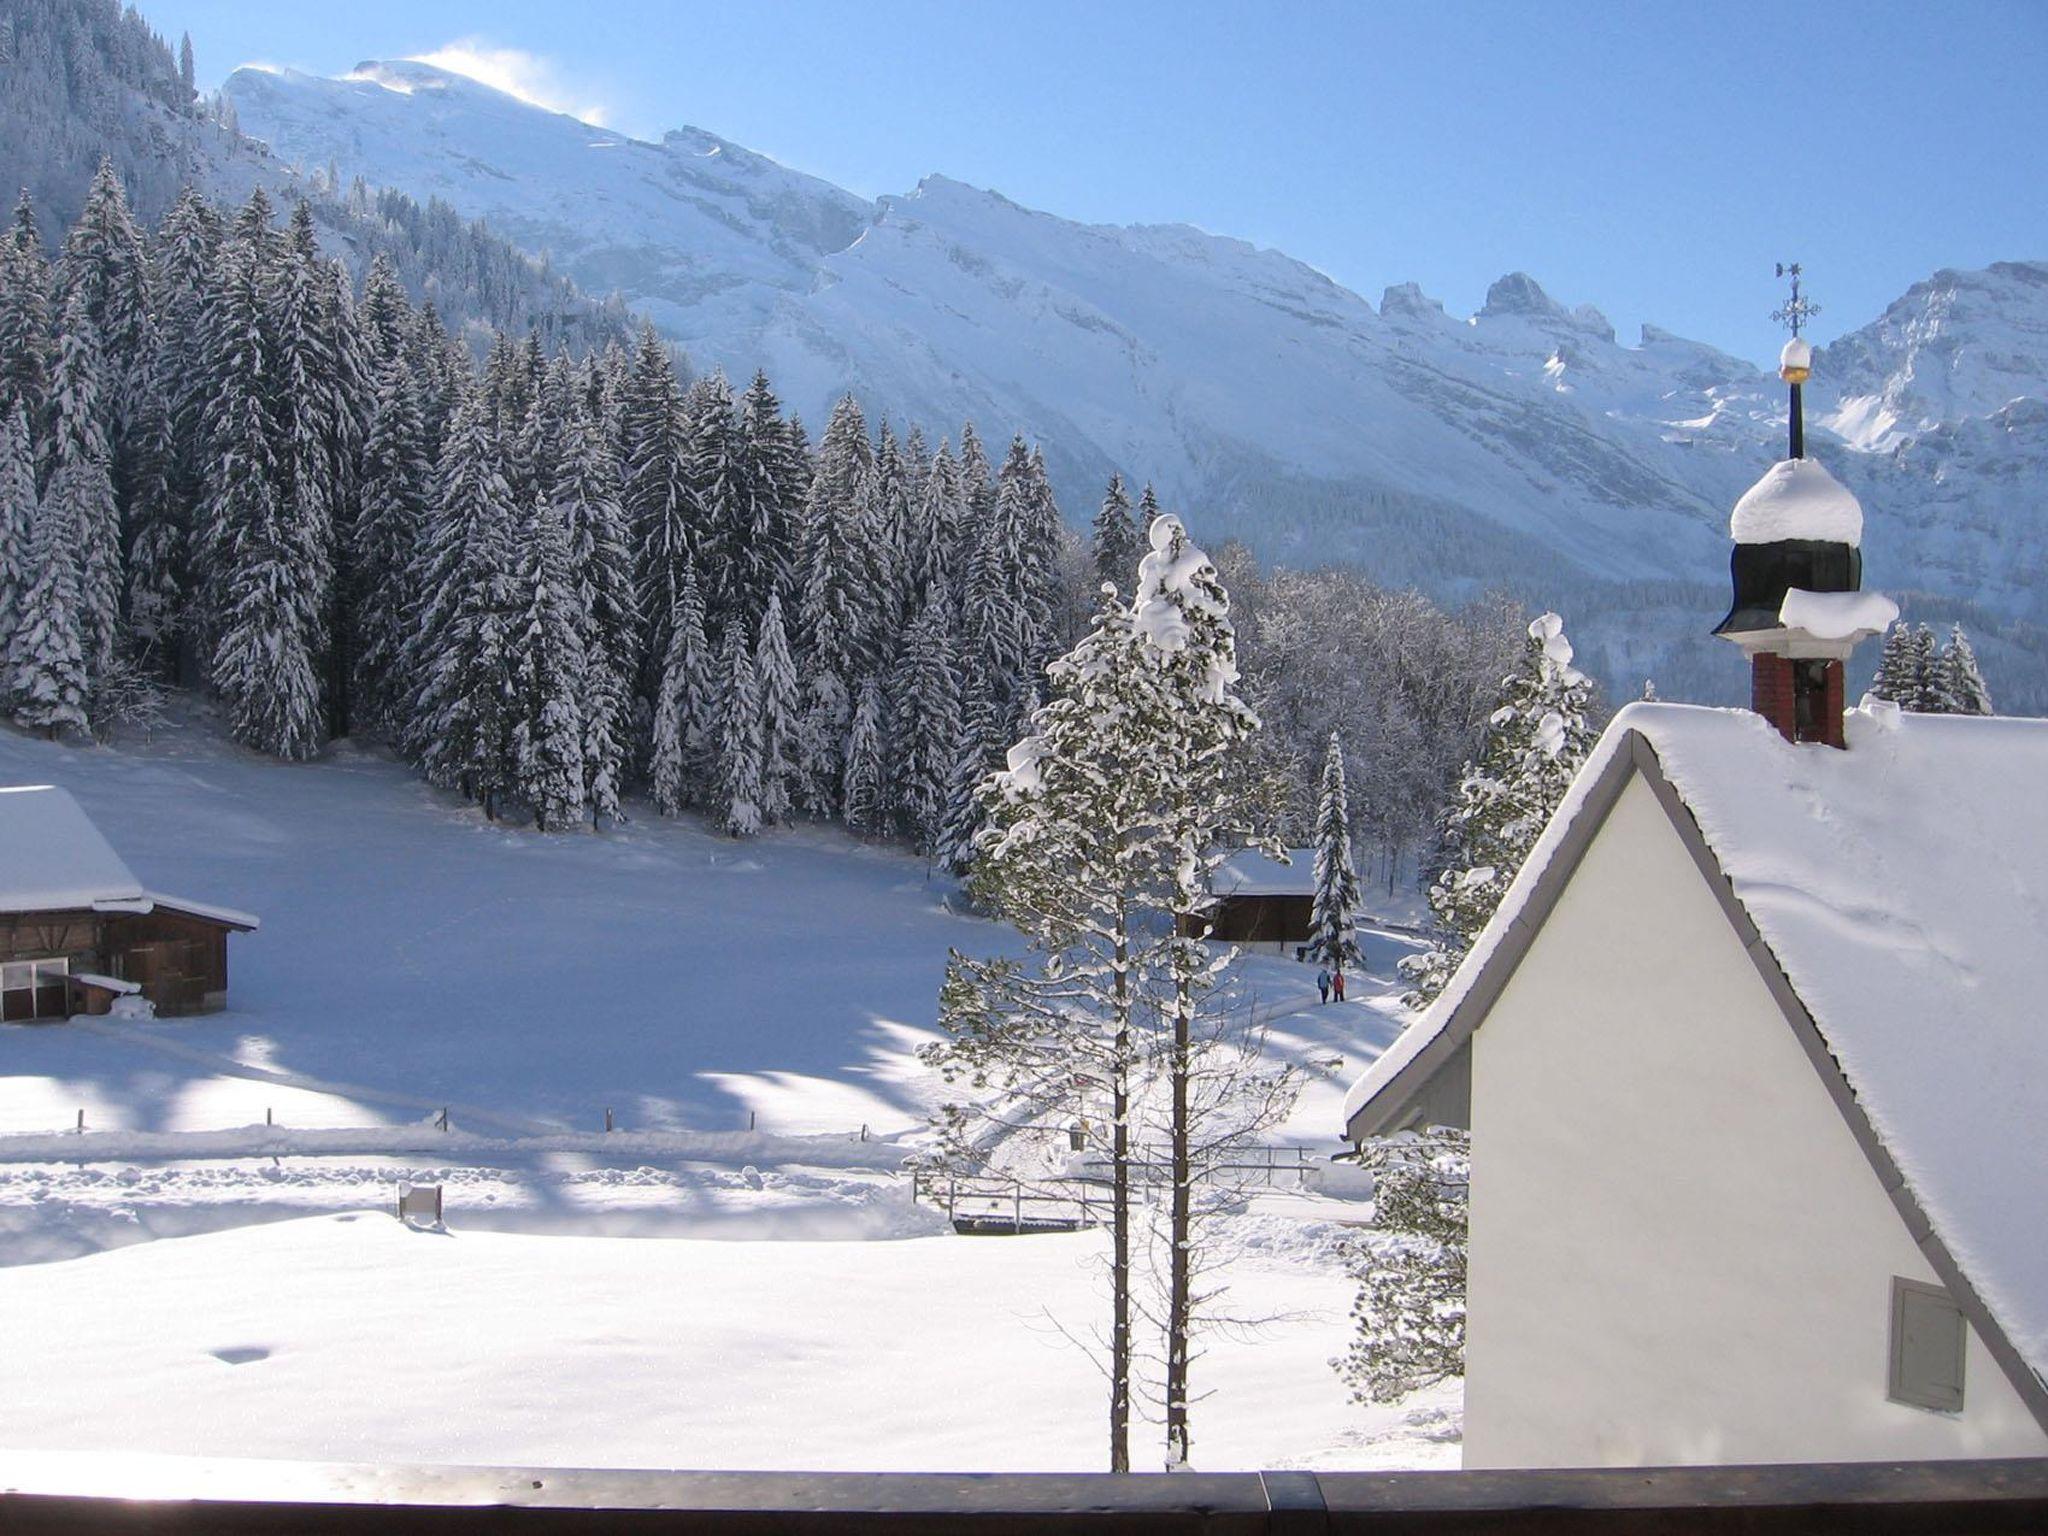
x=348, y=1338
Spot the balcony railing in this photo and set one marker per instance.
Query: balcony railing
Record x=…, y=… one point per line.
x=43, y=1494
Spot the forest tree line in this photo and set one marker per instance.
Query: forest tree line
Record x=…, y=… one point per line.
x=549, y=578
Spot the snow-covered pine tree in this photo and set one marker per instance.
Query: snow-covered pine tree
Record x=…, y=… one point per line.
x=655, y=492
x=932, y=575
x=864, y=791
x=586, y=497
x=1963, y=680
x=925, y=727
x=1929, y=695
x=305, y=402
x=46, y=674
x=889, y=549
x=467, y=709
x=736, y=778
x=714, y=466
x=549, y=672
x=686, y=699
x=77, y=461
x=105, y=269
x=1536, y=742
x=780, y=701
x=1115, y=544
x=771, y=504
x=162, y=514
x=396, y=485
x=1333, y=917
x=17, y=520
x=1045, y=581
x=262, y=662
x=24, y=317
x=384, y=315
x=834, y=616
x=1410, y=1309
x=1894, y=680
x=961, y=822
x=1148, y=512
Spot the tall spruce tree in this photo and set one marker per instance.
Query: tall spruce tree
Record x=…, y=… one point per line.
x=925, y=727
x=396, y=486
x=46, y=676
x=17, y=520
x=586, y=497
x=1535, y=743
x=466, y=708
x=736, y=786
x=549, y=674
x=1894, y=680
x=864, y=791
x=1962, y=679
x=686, y=699
x=780, y=705
x=78, y=463
x=1333, y=916
x=24, y=317
x=655, y=491
x=1115, y=547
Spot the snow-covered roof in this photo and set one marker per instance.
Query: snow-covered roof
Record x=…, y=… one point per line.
x=1248, y=873
x=1797, y=499
x=53, y=859
x=1902, y=887
x=112, y=984
x=1837, y=615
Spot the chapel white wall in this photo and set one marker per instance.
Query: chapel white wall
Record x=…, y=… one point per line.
x=1679, y=1253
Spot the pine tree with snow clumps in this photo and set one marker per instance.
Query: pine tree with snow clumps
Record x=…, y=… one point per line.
x=685, y=710
x=864, y=793
x=1963, y=681
x=1410, y=1309
x=550, y=675
x=1117, y=543
x=46, y=655
x=1536, y=742
x=736, y=787
x=17, y=520
x=776, y=691
x=1333, y=917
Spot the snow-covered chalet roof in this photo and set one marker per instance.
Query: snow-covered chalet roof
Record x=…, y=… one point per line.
x=1797, y=499
x=1902, y=888
x=53, y=859
x=1248, y=873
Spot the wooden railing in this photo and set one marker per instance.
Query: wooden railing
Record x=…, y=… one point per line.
x=165, y=1496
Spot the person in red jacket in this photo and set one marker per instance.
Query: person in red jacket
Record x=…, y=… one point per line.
x=1337, y=986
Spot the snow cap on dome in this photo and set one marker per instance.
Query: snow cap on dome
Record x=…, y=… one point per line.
x=1798, y=353
x=1797, y=499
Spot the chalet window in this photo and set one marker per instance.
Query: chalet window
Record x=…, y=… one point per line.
x=1927, y=1347
x=34, y=989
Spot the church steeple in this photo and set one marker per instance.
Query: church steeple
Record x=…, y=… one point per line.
x=1797, y=570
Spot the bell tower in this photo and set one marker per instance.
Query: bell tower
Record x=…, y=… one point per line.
x=1797, y=569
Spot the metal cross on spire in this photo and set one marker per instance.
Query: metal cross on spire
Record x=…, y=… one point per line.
x=1798, y=309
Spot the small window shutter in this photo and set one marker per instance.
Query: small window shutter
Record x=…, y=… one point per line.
x=1927, y=1343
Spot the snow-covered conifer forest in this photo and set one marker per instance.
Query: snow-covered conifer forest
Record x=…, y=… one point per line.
x=547, y=576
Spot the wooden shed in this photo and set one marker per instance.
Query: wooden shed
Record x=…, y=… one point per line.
x=1260, y=900
x=79, y=932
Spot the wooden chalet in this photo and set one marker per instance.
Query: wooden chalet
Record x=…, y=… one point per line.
x=1260, y=900
x=79, y=933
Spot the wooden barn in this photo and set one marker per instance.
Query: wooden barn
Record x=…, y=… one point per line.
x=78, y=931
x=1260, y=900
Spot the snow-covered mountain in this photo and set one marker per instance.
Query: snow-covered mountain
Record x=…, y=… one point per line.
x=1525, y=442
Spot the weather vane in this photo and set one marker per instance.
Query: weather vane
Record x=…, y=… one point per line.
x=1795, y=363
x=1798, y=309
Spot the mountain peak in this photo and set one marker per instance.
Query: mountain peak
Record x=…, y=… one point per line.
x=1520, y=294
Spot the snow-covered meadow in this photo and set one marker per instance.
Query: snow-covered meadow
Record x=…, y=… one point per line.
x=781, y=1300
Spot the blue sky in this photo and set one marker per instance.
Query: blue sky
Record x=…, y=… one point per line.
x=1652, y=159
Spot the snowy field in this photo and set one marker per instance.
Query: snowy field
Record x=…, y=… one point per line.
x=215, y=1297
